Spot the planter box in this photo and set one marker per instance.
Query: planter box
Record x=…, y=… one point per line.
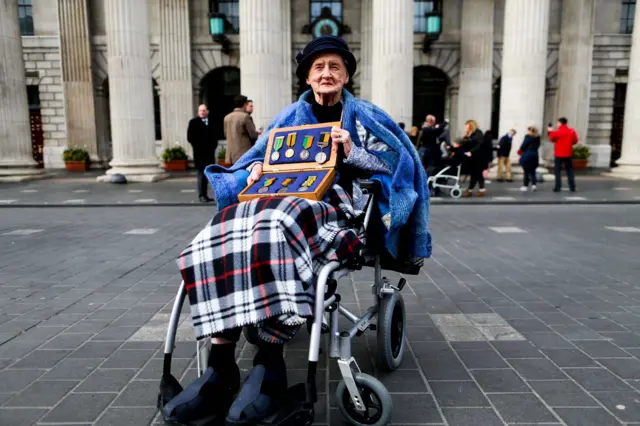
x=76, y=166
x=579, y=164
x=223, y=163
x=175, y=165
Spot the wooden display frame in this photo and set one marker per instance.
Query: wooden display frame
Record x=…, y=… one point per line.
x=299, y=167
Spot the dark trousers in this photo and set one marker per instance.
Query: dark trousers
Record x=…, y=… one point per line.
x=476, y=176
x=529, y=175
x=568, y=166
x=233, y=334
x=202, y=183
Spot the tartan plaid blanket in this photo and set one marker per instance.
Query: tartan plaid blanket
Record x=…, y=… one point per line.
x=256, y=262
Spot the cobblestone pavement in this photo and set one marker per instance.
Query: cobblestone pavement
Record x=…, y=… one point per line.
x=82, y=189
x=524, y=315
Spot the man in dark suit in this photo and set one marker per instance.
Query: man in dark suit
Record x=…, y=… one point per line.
x=201, y=137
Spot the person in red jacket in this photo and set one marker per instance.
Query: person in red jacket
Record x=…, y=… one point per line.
x=564, y=138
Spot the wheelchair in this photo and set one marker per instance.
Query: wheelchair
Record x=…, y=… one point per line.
x=361, y=398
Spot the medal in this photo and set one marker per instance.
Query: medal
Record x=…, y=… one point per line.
x=275, y=156
x=307, y=183
x=291, y=141
x=267, y=183
x=306, y=144
x=323, y=142
x=285, y=185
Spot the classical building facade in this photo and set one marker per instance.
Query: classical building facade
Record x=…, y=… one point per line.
x=123, y=77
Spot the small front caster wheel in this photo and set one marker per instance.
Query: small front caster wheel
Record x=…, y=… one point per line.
x=456, y=193
x=375, y=398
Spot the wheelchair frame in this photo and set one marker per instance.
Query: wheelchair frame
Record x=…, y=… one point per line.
x=455, y=190
x=340, y=341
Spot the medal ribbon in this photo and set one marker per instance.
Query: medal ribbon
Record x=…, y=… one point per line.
x=324, y=139
x=310, y=180
x=278, y=143
x=308, y=141
x=291, y=140
x=268, y=182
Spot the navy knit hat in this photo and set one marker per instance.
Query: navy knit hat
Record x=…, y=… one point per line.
x=324, y=44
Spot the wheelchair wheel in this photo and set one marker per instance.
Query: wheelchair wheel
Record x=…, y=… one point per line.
x=455, y=193
x=375, y=398
x=391, y=329
x=251, y=334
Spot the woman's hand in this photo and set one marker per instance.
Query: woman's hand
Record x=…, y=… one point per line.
x=341, y=136
x=468, y=154
x=256, y=172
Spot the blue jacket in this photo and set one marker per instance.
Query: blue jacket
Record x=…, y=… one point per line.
x=529, y=148
x=407, y=198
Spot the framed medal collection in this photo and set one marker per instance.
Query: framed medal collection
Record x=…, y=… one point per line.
x=298, y=162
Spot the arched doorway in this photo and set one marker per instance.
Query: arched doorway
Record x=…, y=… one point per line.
x=217, y=90
x=429, y=93
x=495, y=108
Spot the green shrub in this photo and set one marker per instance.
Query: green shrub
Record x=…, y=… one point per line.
x=581, y=152
x=222, y=154
x=176, y=153
x=75, y=154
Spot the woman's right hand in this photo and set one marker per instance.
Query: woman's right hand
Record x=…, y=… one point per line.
x=256, y=172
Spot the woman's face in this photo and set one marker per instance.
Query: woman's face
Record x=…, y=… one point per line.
x=328, y=74
x=467, y=128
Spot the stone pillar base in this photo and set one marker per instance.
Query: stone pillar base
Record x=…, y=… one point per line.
x=135, y=174
x=19, y=174
x=628, y=172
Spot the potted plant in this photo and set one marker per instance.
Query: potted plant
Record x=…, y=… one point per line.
x=222, y=157
x=175, y=159
x=76, y=159
x=581, y=155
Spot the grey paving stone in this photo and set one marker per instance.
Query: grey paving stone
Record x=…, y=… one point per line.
x=576, y=332
x=126, y=416
x=482, y=359
x=111, y=380
x=72, y=369
x=16, y=349
x=67, y=341
x=96, y=350
x=586, y=417
x=626, y=368
x=623, y=339
x=625, y=405
x=420, y=320
x=569, y=358
x=114, y=333
x=562, y=393
x=87, y=326
x=555, y=318
x=153, y=370
x=415, y=408
x=602, y=324
x=461, y=394
x=42, y=394
x=524, y=325
x=544, y=340
x=523, y=407
x=41, y=359
x=597, y=379
x=601, y=349
x=471, y=417
x=499, y=381
x=396, y=381
x=517, y=350
x=425, y=334
x=509, y=313
x=79, y=407
x=537, y=369
x=471, y=346
x=20, y=416
x=12, y=381
x=138, y=394
x=130, y=358
x=42, y=334
x=444, y=369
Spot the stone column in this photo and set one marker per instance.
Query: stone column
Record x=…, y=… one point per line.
x=524, y=67
x=176, y=100
x=629, y=162
x=75, y=52
x=365, y=50
x=392, y=58
x=263, y=58
x=16, y=161
x=476, y=62
x=574, y=64
x=130, y=92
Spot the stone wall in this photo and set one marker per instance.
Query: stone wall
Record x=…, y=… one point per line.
x=42, y=64
x=611, y=53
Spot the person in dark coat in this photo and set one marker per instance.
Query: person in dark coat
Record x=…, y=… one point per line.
x=529, y=157
x=428, y=145
x=504, y=150
x=476, y=162
x=200, y=135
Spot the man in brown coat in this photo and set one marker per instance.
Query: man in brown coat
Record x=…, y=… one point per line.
x=239, y=130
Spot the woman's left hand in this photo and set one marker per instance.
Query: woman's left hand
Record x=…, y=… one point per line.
x=341, y=136
x=468, y=154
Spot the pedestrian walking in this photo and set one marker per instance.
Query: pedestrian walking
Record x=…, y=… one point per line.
x=239, y=130
x=504, y=150
x=529, y=159
x=201, y=136
x=563, y=139
x=477, y=157
x=428, y=146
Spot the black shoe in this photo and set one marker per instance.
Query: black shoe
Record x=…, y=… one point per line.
x=556, y=189
x=509, y=180
x=572, y=190
x=205, y=199
x=500, y=180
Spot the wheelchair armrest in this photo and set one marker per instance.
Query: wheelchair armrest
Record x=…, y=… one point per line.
x=371, y=187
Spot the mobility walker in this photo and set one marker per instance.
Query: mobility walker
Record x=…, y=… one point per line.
x=361, y=398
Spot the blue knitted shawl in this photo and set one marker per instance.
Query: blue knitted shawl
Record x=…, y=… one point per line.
x=405, y=194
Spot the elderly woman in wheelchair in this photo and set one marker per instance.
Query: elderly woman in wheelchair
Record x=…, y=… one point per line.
x=272, y=263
